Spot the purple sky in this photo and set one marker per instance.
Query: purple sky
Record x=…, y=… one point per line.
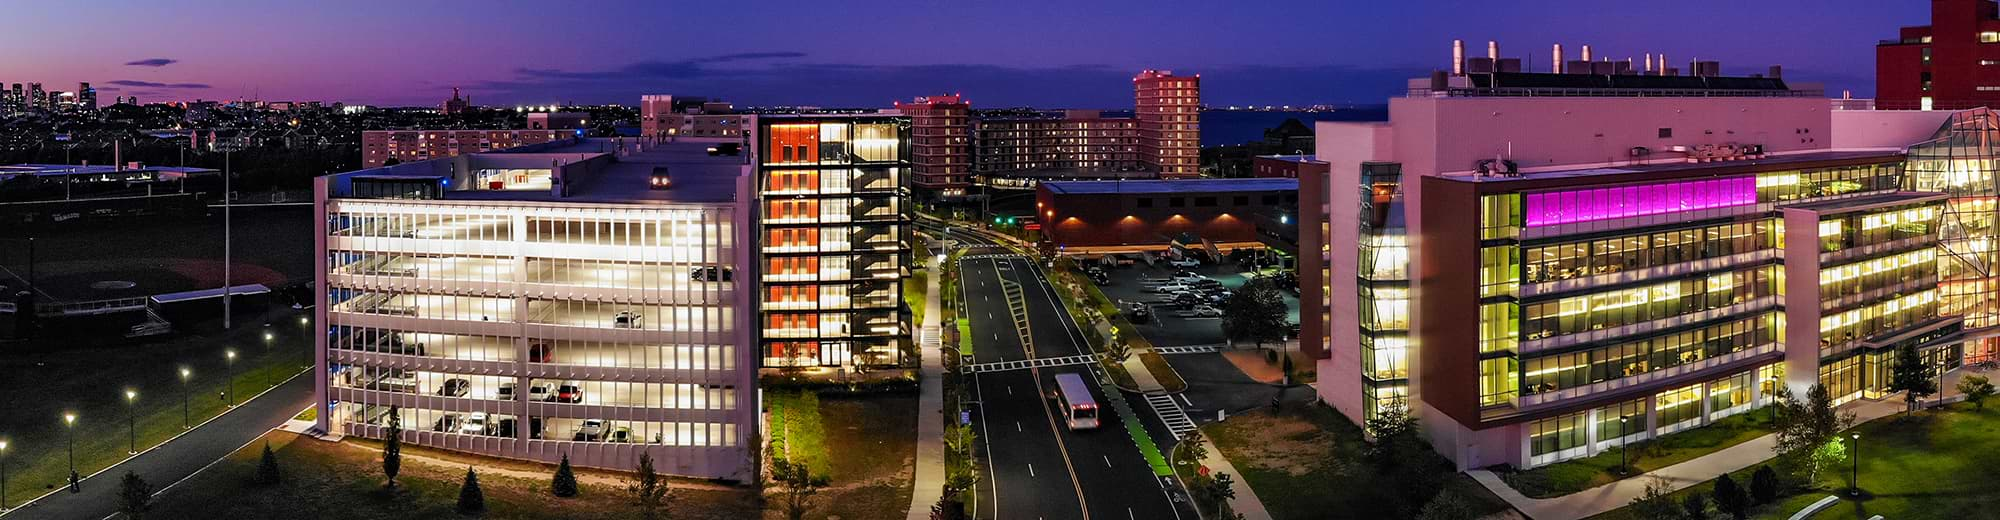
x=868, y=53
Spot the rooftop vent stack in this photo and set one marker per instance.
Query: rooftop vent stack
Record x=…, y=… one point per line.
x=1556, y=61
x=1777, y=72
x=1663, y=65
x=1586, y=52
x=1649, y=63
x=1458, y=57
x=1493, y=50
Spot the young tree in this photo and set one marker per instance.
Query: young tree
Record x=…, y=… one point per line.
x=1191, y=449
x=1695, y=507
x=1730, y=498
x=470, y=499
x=1764, y=485
x=1976, y=389
x=267, y=469
x=797, y=486
x=650, y=490
x=1211, y=493
x=1804, y=427
x=1912, y=377
x=135, y=496
x=392, y=446
x=564, y=484
x=1656, y=503
x=1256, y=313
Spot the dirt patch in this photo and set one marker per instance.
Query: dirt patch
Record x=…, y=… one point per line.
x=1259, y=368
x=1281, y=444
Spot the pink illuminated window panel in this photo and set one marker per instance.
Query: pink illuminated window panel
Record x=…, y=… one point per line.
x=1569, y=207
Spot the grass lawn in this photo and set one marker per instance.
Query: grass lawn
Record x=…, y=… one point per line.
x=1305, y=461
x=90, y=382
x=866, y=445
x=344, y=480
x=1571, y=476
x=913, y=294
x=1935, y=465
x=1162, y=372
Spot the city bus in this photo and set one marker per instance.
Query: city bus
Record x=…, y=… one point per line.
x=1078, y=407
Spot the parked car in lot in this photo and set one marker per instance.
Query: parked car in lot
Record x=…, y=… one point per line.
x=455, y=387
x=1203, y=311
x=621, y=434
x=474, y=424
x=592, y=430
x=447, y=423
x=536, y=392
x=1170, y=288
x=1184, y=262
x=1137, y=312
x=1099, y=277
x=1206, y=283
x=627, y=320
x=569, y=393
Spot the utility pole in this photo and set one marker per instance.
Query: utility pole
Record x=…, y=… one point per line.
x=226, y=257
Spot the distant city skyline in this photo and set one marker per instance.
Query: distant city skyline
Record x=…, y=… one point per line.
x=853, y=54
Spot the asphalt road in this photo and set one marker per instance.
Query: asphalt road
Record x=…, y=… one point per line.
x=179, y=458
x=1036, y=467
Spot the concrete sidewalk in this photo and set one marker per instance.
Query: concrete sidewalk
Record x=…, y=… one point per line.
x=930, y=479
x=1246, y=502
x=171, y=462
x=1591, y=502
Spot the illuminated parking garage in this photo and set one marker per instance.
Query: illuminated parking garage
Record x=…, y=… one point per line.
x=576, y=312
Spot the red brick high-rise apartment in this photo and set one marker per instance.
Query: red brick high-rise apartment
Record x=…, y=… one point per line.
x=1169, y=113
x=1953, y=63
x=940, y=144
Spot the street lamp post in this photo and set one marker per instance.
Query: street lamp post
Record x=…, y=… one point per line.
x=267, y=349
x=184, y=398
x=226, y=204
x=131, y=422
x=1854, y=474
x=3, y=476
x=1622, y=419
x=69, y=421
x=230, y=370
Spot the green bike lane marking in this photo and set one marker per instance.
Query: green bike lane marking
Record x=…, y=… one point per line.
x=1136, y=429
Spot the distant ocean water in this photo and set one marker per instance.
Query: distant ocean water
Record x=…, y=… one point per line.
x=1225, y=127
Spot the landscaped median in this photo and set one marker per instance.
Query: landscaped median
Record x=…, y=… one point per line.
x=1572, y=476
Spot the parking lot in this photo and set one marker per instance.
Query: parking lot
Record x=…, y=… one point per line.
x=1166, y=326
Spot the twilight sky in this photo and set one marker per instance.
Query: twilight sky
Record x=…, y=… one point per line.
x=1063, y=53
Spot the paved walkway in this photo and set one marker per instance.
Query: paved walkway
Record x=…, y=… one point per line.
x=181, y=457
x=1618, y=494
x=1246, y=501
x=930, y=478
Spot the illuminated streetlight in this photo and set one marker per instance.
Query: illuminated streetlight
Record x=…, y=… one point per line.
x=69, y=421
x=1854, y=474
x=230, y=393
x=131, y=422
x=184, y=397
x=3, y=476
